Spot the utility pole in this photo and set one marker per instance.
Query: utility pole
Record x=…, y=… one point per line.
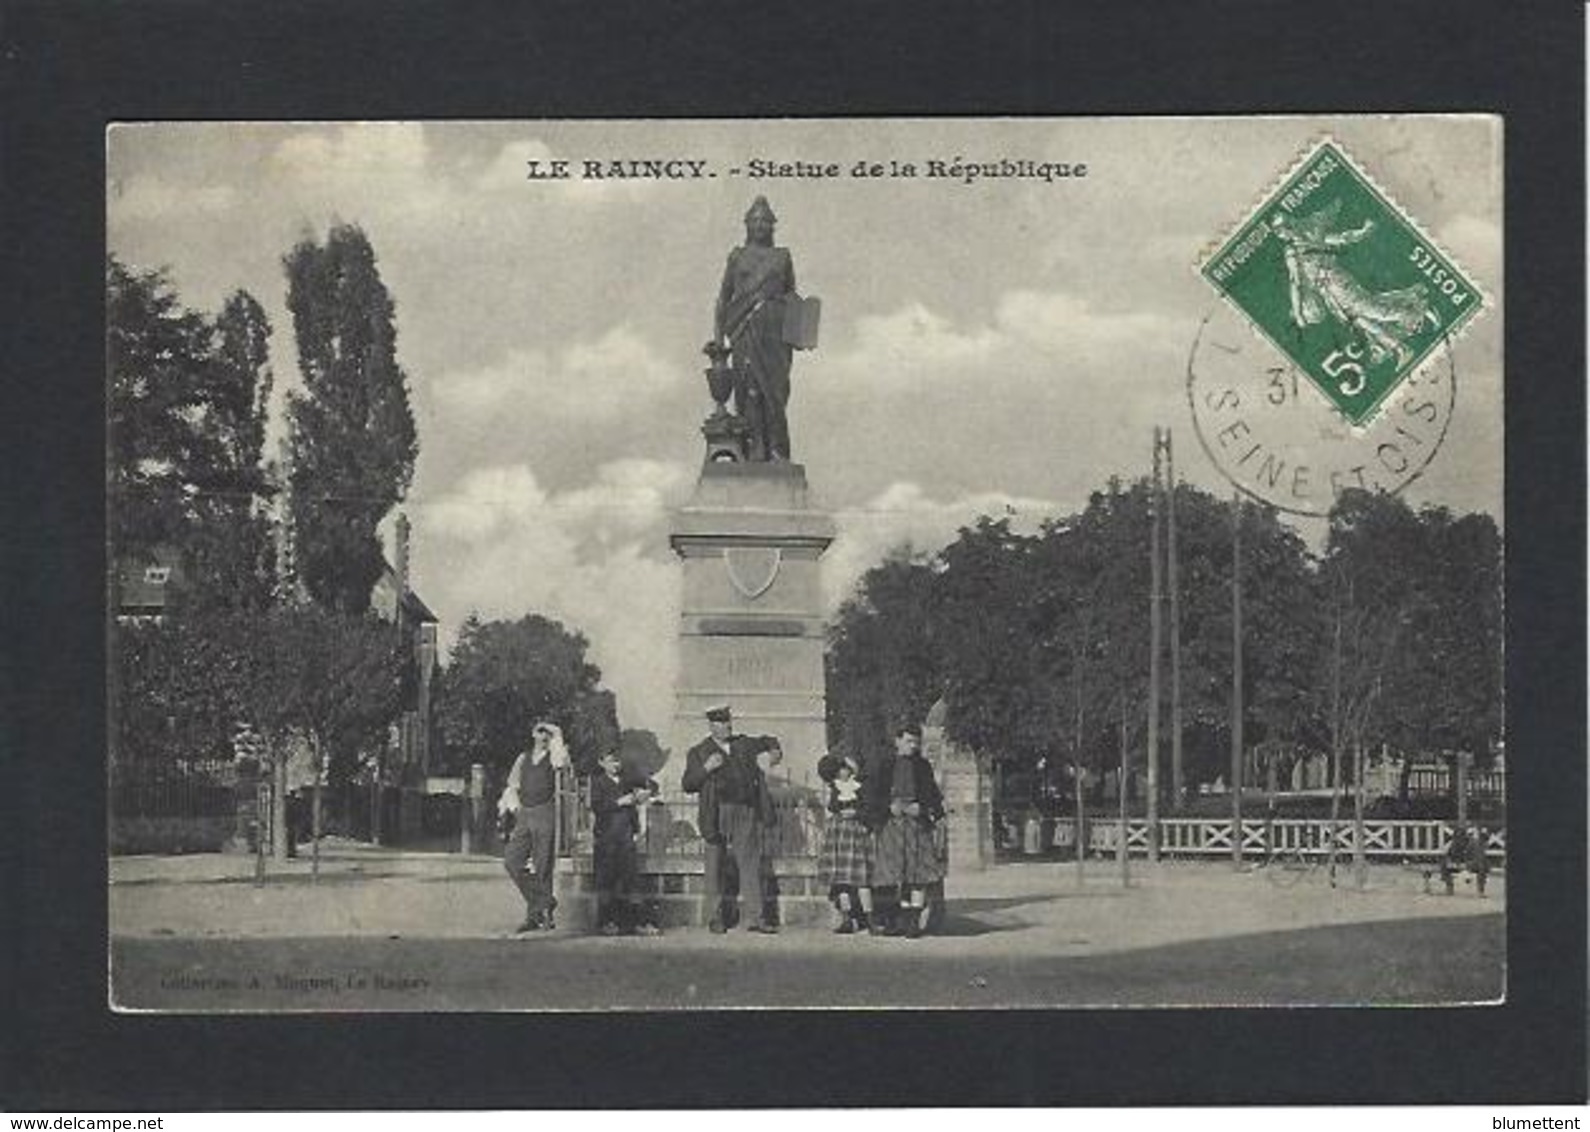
x=1078, y=774
x=1177, y=785
x=1079, y=779
x=1465, y=763
x=316, y=812
x=400, y=568
x=1236, y=680
x=1126, y=868
x=1360, y=855
x=1154, y=597
x=1339, y=731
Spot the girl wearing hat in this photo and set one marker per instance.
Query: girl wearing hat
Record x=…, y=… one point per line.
x=845, y=862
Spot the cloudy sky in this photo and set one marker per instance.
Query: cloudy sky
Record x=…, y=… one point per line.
x=1007, y=344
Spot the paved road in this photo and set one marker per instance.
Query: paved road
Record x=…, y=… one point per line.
x=1381, y=963
x=386, y=930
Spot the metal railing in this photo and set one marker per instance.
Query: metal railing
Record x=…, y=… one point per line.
x=187, y=790
x=171, y=807
x=1428, y=779
x=670, y=828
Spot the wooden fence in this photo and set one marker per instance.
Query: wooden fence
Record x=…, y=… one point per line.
x=669, y=829
x=1313, y=837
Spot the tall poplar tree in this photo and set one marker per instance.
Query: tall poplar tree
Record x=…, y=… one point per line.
x=231, y=554
x=354, y=442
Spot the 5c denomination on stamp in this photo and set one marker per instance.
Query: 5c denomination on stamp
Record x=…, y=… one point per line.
x=1272, y=435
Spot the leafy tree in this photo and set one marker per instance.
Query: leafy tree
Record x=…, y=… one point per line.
x=1450, y=697
x=642, y=752
x=187, y=681
x=880, y=659
x=354, y=441
x=1090, y=581
x=335, y=678
x=186, y=423
x=242, y=388
x=505, y=675
x=996, y=692
x=1282, y=631
x=158, y=359
x=328, y=678
x=187, y=413
x=1093, y=584
x=178, y=687
x=1039, y=643
x=1414, y=603
x=231, y=549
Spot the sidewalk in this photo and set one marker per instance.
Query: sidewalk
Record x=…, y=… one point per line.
x=1010, y=910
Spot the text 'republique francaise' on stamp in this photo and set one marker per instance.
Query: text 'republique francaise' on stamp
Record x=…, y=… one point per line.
x=1343, y=288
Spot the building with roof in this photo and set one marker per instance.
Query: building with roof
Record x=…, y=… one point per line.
x=143, y=584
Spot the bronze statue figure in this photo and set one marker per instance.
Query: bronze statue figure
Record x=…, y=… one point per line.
x=758, y=323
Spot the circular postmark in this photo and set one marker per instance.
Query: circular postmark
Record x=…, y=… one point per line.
x=1277, y=438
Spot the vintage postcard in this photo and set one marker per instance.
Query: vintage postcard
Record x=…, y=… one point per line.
x=831, y=564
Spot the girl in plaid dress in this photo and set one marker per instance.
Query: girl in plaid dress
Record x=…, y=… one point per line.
x=845, y=863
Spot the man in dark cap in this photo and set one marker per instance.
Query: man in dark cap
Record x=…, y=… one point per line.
x=728, y=773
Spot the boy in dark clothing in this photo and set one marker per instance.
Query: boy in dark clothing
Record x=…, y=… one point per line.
x=904, y=805
x=614, y=802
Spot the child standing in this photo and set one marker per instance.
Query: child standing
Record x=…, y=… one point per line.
x=905, y=807
x=845, y=863
x=614, y=800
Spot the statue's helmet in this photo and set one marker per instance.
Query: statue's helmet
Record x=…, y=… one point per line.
x=760, y=210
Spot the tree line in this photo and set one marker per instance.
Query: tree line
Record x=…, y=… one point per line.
x=1390, y=635
x=1038, y=643
x=270, y=622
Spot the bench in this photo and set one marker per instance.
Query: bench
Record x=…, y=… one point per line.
x=1465, y=854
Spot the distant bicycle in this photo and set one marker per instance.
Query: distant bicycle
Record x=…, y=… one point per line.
x=1287, y=866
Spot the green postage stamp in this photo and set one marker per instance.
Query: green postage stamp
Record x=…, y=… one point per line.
x=1342, y=282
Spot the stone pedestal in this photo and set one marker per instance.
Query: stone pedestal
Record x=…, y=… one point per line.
x=751, y=619
x=672, y=889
